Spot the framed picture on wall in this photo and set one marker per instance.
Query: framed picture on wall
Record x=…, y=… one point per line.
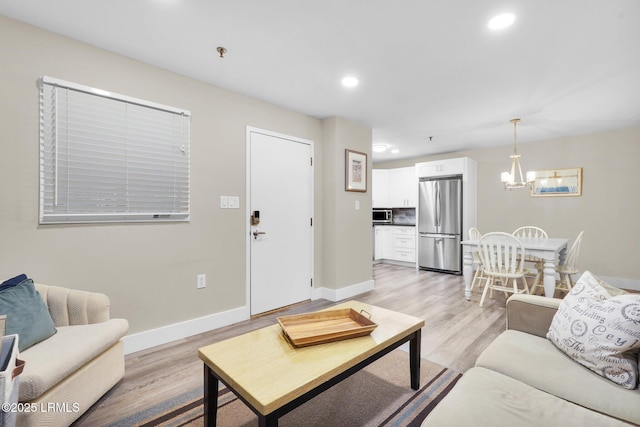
x=557, y=182
x=355, y=171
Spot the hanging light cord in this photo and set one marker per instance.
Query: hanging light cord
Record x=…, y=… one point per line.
x=515, y=124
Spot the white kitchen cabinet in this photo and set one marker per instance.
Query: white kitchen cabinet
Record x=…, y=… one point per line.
x=377, y=242
x=387, y=242
x=380, y=188
x=395, y=243
x=404, y=237
x=405, y=255
x=442, y=167
x=395, y=188
x=403, y=187
x=404, y=244
x=411, y=180
x=383, y=245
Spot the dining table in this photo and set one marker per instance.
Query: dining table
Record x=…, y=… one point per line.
x=552, y=251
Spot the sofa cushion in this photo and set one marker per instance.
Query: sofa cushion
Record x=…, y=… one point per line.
x=537, y=362
x=52, y=360
x=486, y=398
x=27, y=314
x=599, y=331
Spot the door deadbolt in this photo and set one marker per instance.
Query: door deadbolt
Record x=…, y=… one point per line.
x=255, y=218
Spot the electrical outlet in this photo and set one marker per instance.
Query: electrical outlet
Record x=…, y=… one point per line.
x=201, y=281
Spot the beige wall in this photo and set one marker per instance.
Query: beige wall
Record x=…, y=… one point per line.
x=348, y=234
x=608, y=210
x=148, y=270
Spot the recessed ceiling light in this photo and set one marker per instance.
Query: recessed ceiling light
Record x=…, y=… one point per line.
x=502, y=21
x=379, y=148
x=395, y=151
x=350, y=81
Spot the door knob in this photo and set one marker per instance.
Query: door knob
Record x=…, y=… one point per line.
x=256, y=233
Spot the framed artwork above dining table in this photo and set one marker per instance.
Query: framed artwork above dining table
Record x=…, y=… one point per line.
x=557, y=182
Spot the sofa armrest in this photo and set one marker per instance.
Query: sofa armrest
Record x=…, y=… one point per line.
x=74, y=307
x=531, y=313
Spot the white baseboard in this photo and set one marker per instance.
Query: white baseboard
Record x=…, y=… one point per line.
x=165, y=334
x=343, y=293
x=394, y=262
x=154, y=337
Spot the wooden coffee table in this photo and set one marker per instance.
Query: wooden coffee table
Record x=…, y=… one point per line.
x=272, y=377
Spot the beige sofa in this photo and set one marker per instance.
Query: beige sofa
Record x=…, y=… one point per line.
x=68, y=372
x=522, y=379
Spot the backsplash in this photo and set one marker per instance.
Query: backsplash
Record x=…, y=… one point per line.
x=404, y=216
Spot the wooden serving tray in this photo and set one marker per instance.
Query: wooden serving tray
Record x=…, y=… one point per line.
x=325, y=326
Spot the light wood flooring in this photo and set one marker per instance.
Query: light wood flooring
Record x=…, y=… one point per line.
x=455, y=333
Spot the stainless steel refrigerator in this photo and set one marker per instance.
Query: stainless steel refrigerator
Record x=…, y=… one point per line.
x=440, y=224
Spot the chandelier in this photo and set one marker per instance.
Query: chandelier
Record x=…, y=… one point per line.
x=515, y=178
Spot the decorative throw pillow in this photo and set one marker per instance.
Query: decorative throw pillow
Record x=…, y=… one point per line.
x=10, y=283
x=599, y=331
x=27, y=314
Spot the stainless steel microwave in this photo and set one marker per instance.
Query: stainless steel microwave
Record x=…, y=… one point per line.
x=382, y=216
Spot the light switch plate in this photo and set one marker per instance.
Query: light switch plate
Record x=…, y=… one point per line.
x=201, y=281
x=234, y=202
x=224, y=202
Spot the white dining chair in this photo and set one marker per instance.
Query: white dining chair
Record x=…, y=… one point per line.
x=478, y=277
x=530, y=231
x=502, y=256
x=568, y=268
x=538, y=233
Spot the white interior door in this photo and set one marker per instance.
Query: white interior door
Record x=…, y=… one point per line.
x=280, y=189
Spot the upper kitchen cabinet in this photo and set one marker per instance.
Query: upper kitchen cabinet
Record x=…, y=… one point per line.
x=395, y=188
x=445, y=167
x=380, y=188
x=403, y=187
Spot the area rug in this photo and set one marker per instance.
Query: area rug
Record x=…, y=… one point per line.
x=379, y=395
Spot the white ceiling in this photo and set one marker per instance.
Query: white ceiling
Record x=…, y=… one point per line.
x=427, y=68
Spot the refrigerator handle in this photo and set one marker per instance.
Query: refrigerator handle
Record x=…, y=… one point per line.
x=438, y=206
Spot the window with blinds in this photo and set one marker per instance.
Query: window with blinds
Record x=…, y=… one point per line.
x=110, y=158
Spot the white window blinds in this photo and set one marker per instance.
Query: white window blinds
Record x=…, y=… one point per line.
x=110, y=158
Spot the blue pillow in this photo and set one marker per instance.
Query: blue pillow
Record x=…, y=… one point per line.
x=12, y=282
x=27, y=314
